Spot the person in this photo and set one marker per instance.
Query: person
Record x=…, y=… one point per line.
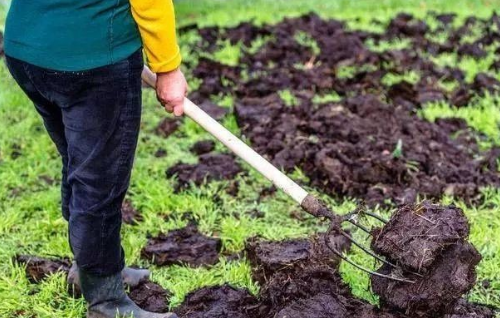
x=80, y=63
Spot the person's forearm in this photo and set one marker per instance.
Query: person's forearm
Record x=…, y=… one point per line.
x=156, y=22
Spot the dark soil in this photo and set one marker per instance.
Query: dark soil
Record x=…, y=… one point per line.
x=268, y=258
x=371, y=145
x=431, y=240
x=463, y=309
x=129, y=214
x=150, y=296
x=353, y=155
x=39, y=268
x=417, y=234
x=216, y=112
x=210, y=167
x=294, y=273
x=451, y=275
x=218, y=302
x=167, y=127
x=182, y=246
x=203, y=147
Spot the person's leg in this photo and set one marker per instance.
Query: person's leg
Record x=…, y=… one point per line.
x=101, y=111
x=52, y=119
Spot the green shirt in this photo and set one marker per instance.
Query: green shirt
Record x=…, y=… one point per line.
x=70, y=35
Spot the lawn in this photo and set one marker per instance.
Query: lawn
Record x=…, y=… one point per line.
x=30, y=220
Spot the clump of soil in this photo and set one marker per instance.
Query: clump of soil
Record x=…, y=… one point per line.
x=203, y=147
x=464, y=309
x=451, y=275
x=150, y=296
x=271, y=257
x=417, y=234
x=216, y=112
x=318, y=306
x=293, y=272
x=182, y=246
x=210, y=167
x=430, y=240
x=39, y=268
x=218, y=302
x=167, y=127
x=129, y=214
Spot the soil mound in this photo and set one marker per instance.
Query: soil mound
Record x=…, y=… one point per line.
x=463, y=309
x=129, y=214
x=292, y=272
x=150, y=296
x=167, y=127
x=319, y=306
x=210, y=167
x=218, y=302
x=203, y=147
x=216, y=112
x=182, y=246
x=431, y=240
x=39, y=268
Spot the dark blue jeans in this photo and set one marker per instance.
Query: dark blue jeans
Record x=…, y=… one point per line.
x=93, y=117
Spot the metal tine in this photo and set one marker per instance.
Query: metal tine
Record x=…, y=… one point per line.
x=376, y=216
x=367, y=251
x=352, y=218
x=364, y=269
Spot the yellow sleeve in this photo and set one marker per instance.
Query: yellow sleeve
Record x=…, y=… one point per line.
x=156, y=22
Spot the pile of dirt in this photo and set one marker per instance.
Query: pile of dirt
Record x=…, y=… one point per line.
x=150, y=296
x=210, y=167
x=296, y=274
x=431, y=242
x=167, y=126
x=218, y=302
x=129, y=214
x=372, y=146
x=182, y=246
x=203, y=147
x=39, y=268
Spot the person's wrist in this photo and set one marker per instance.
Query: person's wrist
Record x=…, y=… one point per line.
x=171, y=72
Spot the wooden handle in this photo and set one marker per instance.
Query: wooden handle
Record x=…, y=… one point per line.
x=242, y=150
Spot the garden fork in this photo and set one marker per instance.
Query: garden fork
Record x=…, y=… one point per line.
x=307, y=201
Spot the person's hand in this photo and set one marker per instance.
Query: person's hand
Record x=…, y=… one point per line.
x=171, y=88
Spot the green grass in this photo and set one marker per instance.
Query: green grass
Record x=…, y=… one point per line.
x=30, y=220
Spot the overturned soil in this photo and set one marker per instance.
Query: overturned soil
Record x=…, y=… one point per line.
x=150, y=296
x=218, y=302
x=210, y=167
x=129, y=214
x=39, y=268
x=369, y=142
x=167, y=126
x=417, y=234
x=431, y=242
x=203, y=147
x=182, y=246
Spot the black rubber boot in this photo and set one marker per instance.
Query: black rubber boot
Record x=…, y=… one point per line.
x=132, y=277
x=106, y=298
